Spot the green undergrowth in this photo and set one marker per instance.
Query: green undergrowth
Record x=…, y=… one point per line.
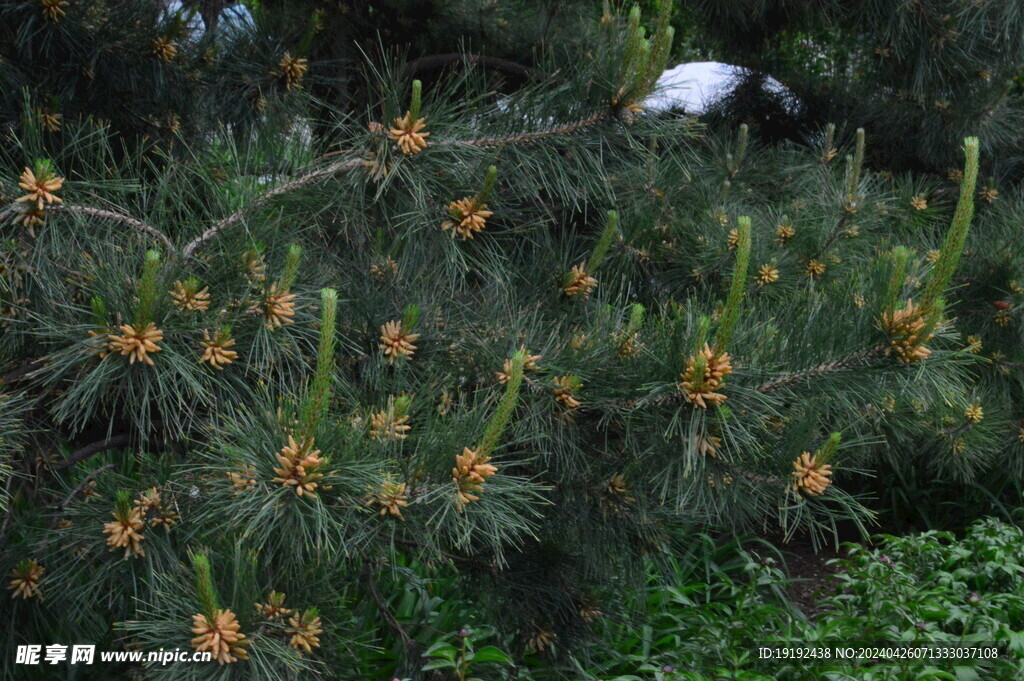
x=705, y=618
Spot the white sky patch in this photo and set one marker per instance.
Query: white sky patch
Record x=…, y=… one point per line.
x=694, y=86
x=234, y=16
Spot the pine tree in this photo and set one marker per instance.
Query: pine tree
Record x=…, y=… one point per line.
x=530, y=343
x=135, y=76
x=919, y=75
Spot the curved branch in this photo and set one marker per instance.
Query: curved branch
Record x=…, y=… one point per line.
x=116, y=216
x=92, y=449
x=437, y=62
x=303, y=181
x=85, y=481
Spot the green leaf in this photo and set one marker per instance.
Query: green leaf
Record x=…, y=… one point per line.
x=490, y=654
x=966, y=674
x=442, y=649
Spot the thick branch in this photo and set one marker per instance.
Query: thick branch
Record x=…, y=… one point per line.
x=467, y=560
x=21, y=372
x=92, y=449
x=436, y=62
x=749, y=475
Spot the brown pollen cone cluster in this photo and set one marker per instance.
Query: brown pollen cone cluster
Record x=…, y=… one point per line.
x=395, y=342
x=150, y=505
x=164, y=49
x=809, y=476
x=616, y=494
x=277, y=307
x=391, y=497
x=470, y=472
x=384, y=426
x=506, y=368
x=216, y=350
x=539, y=640
x=25, y=578
x=291, y=70
x=221, y=637
x=53, y=10
x=40, y=189
x=126, y=532
x=468, y=218
x=815, y=268
x=767, y=274
x=564, y=388
x=384, y=269
x=187, y=296
x=304, y=629
x=274, y=608
x=708, y=445
x=579, y=282
x=243, y=480
x=701, y=390
x=298, y=465
x=137, y=342
x=387, y=425
x=408, y=134
x=904, y=327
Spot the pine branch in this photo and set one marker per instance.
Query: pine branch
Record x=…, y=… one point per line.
x=436, y=62
x=10, y=507
x=466, y=560
x=114, y=442
x=123, y=218
x=835, y=234
x=350, y=164
x=850, y=361
x=89, y=450
x=311, y=177
x=85, y=481
x=21, y=372
x=101, y=213
x=749, y=475
x=528, y=137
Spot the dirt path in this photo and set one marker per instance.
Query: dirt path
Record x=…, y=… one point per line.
x=809, y=576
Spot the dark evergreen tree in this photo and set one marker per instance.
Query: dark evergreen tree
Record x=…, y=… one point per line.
x=260, y=380
x=920, y=75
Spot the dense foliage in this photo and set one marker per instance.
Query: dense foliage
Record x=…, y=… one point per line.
x=270, y=377
x=919, y=75
x=930, y=589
